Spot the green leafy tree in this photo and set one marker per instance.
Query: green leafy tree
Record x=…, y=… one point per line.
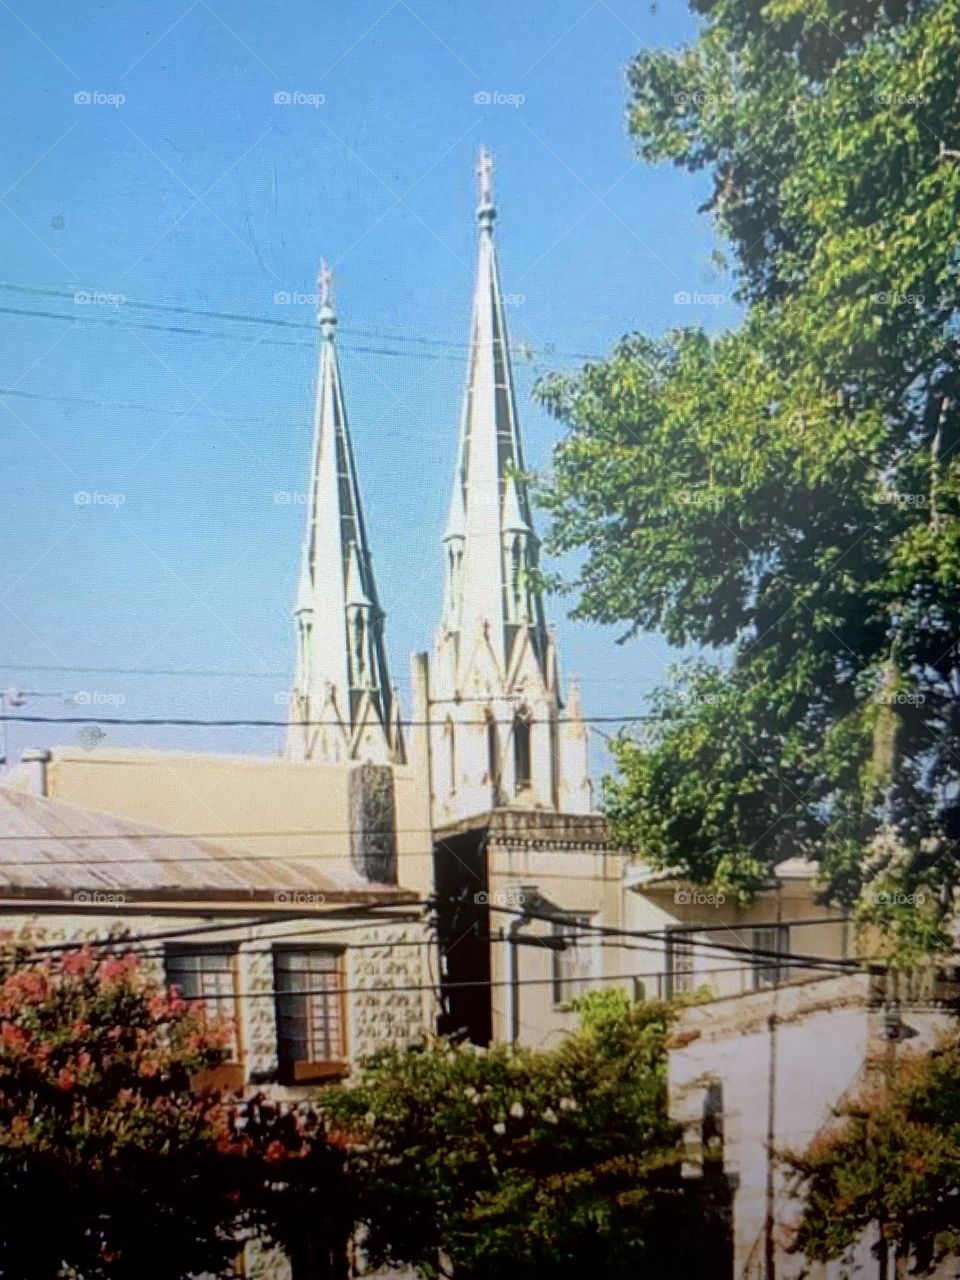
x=515, y=1162
x=113, y=1165
x=890, y=1165
x=788, y=494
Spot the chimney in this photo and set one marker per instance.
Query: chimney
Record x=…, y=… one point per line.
x=33, y=770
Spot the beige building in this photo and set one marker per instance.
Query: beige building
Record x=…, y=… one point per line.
x=315, y=968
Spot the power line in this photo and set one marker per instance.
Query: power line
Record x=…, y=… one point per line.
x=691, y=943
x=801, y=960
x=120, y=405
x=412, y=988
x=255, y=920
x=145, y=671
x=183, y=331
x=276, y=322
x=192, y=722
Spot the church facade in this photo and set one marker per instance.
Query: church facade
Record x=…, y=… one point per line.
x=500, y=747
x=498, y=729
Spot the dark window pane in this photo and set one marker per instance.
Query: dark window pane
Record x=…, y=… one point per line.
x=309, y=1006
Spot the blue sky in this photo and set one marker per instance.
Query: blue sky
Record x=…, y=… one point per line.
x=199, y=191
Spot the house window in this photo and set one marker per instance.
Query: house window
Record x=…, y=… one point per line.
x=574, y=964
x=208, y=975
x=521, y=752
x=311, y=1036
x=769, y=937
x=678, y=964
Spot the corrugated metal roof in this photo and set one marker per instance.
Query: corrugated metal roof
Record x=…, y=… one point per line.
x=109, y=854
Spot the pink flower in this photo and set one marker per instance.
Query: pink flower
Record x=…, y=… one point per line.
x=77, y=962
x=12, y=1036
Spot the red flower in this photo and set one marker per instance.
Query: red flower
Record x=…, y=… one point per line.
x=12, y=1036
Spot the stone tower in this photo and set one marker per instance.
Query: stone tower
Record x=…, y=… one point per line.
x=500, y=734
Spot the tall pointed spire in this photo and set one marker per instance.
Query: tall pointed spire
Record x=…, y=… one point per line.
x=490, y=544
x=502, y=736
x=342, y=705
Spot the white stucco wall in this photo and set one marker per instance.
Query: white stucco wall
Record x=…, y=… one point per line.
x=783, y=1059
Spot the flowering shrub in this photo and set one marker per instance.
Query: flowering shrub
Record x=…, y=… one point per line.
x=485, y=1164
x=112, y=1167
x=891, y=1161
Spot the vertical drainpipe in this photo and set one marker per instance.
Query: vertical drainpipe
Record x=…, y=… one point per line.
x=513, y=948
x=769, y=1217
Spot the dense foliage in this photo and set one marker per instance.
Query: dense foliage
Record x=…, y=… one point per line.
x=892, y=1161
x=554, y=1163
x=788, y=494
x=112, y=1167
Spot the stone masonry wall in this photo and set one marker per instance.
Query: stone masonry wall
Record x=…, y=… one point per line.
x=379, y=1018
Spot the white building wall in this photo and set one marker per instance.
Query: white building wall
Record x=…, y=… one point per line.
x=783, y=1059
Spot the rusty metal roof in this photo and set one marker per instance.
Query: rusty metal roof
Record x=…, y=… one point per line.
x=53, y=850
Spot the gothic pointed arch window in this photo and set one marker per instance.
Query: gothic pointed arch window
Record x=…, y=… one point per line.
x=359, y=647
x=516, y=578
x=522, y=753
x=494, y=766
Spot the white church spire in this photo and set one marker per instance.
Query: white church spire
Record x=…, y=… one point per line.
x=500, y=734
x=342, y=704
x=491, y=547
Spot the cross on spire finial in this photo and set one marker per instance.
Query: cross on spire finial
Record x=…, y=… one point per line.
x=485, y=181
